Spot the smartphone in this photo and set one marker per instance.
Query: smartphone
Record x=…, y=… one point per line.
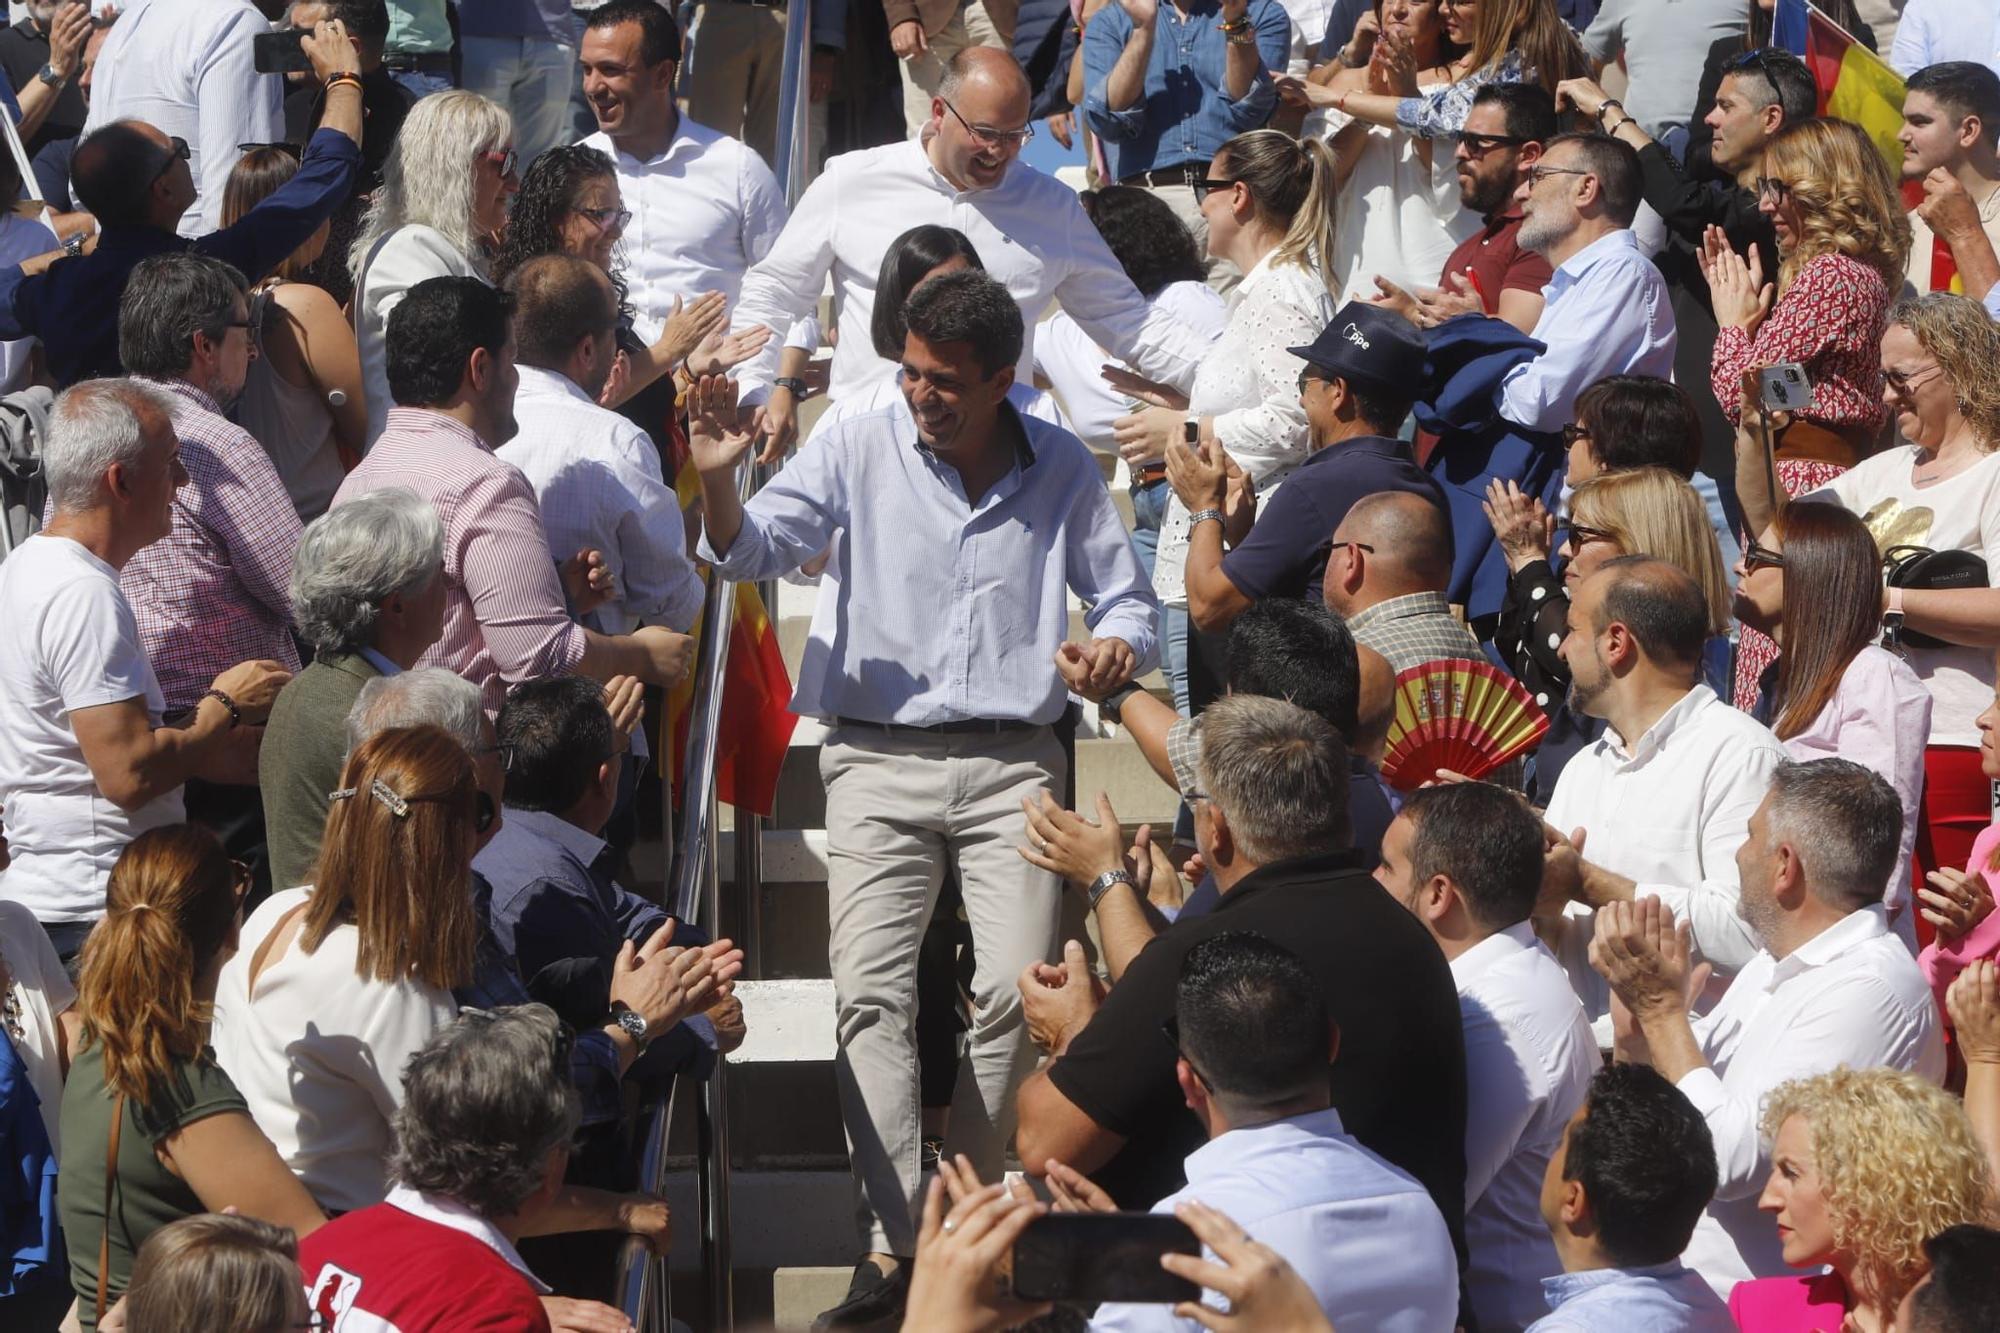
x=1784, y=387
x=1084, y=1258
x=280, y=52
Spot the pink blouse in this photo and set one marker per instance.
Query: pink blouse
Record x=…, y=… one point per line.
x=1814, y=1303
x=1941, y=962
x=1830, y=320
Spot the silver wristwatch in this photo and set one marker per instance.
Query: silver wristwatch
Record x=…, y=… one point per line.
x=1102, y=884
x=630, y=1020
x=1201, y=516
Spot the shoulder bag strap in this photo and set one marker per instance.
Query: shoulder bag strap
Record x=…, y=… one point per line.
x=110, y=1178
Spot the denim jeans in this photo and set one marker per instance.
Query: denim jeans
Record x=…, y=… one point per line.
x=419, y=83
x=1149, y=507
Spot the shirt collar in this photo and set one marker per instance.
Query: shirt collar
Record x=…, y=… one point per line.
x=1846, y=935
x=1010, y=417
x=1316, y=865
x=440, y=1211
x=1215, y=1158
x=379, y=662
x=1506, y=217
x=1400, y=608
x=1599, y=250
x=1379, y=445
x=424, y=420
x=539, y=382
x=183, y=389
x=1680, y=715
x=583, y=846
x=688, y=134
x=1491, y=952
x=1568, y=1286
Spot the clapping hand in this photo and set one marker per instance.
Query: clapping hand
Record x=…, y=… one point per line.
x=1199, y=475
x=1736, y=285
x=1057, y=999
x=717, y=435
x=1647, y=957
x=1525, y=530
x=1955, y=902
x=587, y=581
x=1075, y=1192
x=1064, y=843
x=1974, y=1005
x=690, y=324
x=721, y=351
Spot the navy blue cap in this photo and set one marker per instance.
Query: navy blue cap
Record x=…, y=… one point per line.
x=1369, y=345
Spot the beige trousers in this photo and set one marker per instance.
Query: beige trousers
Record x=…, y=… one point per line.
x=733, y=72
x=970, y=26
x=898, y=806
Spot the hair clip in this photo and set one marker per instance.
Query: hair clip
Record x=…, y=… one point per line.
x=386, y=794
x=341, y=793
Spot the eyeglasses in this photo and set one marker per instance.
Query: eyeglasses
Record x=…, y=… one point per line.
x=504, y=159
x=177, y=150
x=1170, y=1028
x=1772, y=186
x=244, y=877
x=1538, y=172
x=1359, y=546
x=1902, y=381
x=1208, y=185
x=1758, y=556
x=1582, y=535
x=1307, y=376
x=504, y=749
x=606, y=219
x=1573, y=432
x=989, y=134
x=1479, y=145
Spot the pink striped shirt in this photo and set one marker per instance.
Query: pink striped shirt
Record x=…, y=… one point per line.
x=505, y=620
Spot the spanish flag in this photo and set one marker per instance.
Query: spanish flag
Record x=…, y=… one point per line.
x=756, y=725
x=1855, y=84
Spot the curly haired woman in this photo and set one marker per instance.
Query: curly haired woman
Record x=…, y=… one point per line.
x=1843, y=240
x=1866, y=1165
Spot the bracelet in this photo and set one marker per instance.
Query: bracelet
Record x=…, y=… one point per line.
x=1612, y=130
x=1102, y=884
x=235, y=713
x=1231, y=27
x=792, y=383
x=1237, y=39
x=1196, y=519
x=335, y=80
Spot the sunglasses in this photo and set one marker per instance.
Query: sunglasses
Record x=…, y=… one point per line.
x=1208, y=185
x=177, y=149
x=1902, y=381
x=1582, y=535
x=504, y=159
x=1758, y=556
x=1308, y=377
x=606, y=219
x=1479, y=145
x=1573, y=432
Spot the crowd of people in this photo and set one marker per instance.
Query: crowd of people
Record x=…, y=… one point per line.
x=380, y=379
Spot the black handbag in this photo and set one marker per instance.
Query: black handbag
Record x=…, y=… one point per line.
x=1921, y=567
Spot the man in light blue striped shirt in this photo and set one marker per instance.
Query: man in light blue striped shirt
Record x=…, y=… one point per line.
x=938, y=656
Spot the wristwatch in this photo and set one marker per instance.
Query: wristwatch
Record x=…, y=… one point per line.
x=49, y=76
x=631, y=1020
x=793, y=383
x=1112, y=702
x=1102, y=884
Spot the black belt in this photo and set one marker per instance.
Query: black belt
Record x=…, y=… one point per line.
x=964, y=726
x=420, y=62
x=1186, y=173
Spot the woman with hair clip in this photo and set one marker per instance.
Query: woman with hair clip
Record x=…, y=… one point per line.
x=441, y=212
x=569, y=204
x=1833, y=691
x=1268, y=202
x=153, y=1128
x=337, y=985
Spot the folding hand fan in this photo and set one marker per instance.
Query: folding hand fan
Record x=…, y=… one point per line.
x=1456, y=713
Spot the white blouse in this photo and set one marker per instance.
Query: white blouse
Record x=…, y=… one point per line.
x=399, y=261
x=1395, y=217
x=1249, y=386
x=318, y=1053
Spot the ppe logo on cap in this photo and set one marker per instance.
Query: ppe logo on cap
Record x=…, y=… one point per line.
x=1356, y=337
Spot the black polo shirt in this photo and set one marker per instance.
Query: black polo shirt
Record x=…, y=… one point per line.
x=1285, y=553
x=1399, y=1077
x=24, y=49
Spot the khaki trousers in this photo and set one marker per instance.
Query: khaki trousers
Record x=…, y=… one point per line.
x=898, y=804
x=970, y=26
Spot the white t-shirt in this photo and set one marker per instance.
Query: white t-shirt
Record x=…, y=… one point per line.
x=70, y=643
x=42, y=990
x=1960, y=513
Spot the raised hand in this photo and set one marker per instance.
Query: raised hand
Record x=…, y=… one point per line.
x=956, y=1281
x=1265, y=1294
x=330, y=50
x=1525, y=530
x=1645, y=955
x=690, y=324
x=717, y=436
x=723, y=351
x=1137, y=386
x=68, y=33
x=1583, y=96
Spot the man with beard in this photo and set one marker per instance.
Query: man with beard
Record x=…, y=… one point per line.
x=1831, y=987
x=938, y=660
x=1660, y=803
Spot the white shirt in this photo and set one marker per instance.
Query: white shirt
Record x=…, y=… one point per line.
x=1362, y=1234
x=1607, y=313
x=400, y=260
x=42, y=991
x=1851, y=996
x=1669, y=814
x=702, y=213
x=598, y=479
x=71, y=643
x=1960, y=513
x=1395, y=217
x=1072, y=362
x=1030, y=232
x=318, y=1053
x=1879, y=717
x=185, y=68
x=1529, y=1056
x=1248, y=386
x=1932, y=31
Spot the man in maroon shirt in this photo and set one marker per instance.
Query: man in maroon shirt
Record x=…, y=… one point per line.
x=1490, y=273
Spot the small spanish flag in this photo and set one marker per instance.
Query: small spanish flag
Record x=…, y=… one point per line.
x=1854, y=83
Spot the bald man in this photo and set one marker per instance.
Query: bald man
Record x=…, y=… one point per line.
x=961, y=171
x=1387, y=572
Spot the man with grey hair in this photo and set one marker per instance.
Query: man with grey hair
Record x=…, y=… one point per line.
x=1271, y=824
x=86, y=762
x=368, y=596
x=482, y=1140
x=1832, y=987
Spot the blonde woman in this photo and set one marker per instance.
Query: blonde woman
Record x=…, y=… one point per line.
x=441, y=212
x=1866, y=1165
x=217, y=1270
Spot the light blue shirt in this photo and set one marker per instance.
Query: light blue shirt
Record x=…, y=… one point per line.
x=1666, y=1298
x=1607, y=313
x=1363, y=1235
x=379, y=662
x=934, y=609
x=1931, y=32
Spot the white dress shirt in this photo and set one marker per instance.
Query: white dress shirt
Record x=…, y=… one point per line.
x=702, y=213
x=1669, y=814
x=1851, y=996
x=933, y=609
x=1607, y=313
x=185, y=68
x=1031, y=234
x=1362, y=1234
x=1073, y=362
x=598, y=479
x=1529, y=1056
x=1933, y=31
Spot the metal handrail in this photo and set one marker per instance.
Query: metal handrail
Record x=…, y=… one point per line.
x=694, y=876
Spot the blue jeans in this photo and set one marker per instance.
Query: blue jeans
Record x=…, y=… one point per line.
x=419, y=83
x=1149, y=509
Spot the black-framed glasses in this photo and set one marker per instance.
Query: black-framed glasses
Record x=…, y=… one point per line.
x=991, y=134
x=1902, y=381
x=1538, y=173
x=177, y=150
x=1573, y=432
x=1359, y=546
x=1208, y=185
x=1479, y=145
x=1778, y=190
x=1758, y=556
x=1311, y=376
x=1582, y=535
x=504, y=159
x=606, y=219
x=504, y=749
x=1170, y=1028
